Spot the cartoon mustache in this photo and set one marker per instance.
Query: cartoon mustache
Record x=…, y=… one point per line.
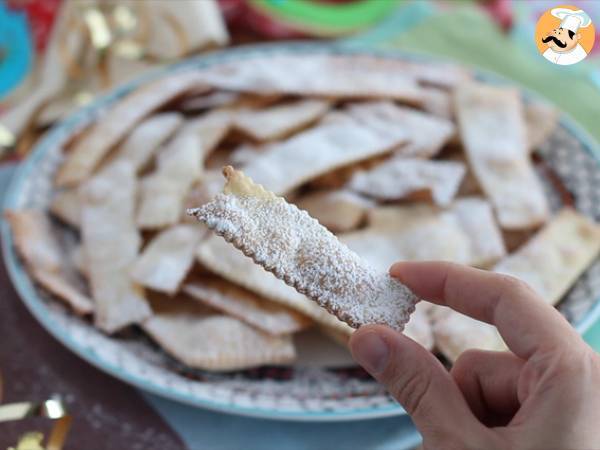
x=556, y=41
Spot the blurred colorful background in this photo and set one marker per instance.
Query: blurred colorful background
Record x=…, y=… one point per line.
x=52, y=61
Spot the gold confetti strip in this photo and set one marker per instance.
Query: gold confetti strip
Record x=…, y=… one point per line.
x=7, y=141
x=53, y=409
x=100, y=33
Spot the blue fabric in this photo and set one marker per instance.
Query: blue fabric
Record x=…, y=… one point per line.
x=16, y=53
x=6, y=171
x=206, y=430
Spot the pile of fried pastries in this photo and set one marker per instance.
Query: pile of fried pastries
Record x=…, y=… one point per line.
x=401, y=160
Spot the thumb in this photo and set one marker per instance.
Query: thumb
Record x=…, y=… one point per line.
x=415, y=378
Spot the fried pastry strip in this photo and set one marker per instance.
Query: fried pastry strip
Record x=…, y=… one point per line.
x=400, y=178
x=297, y=249
x=42, y=255
x=331, y=145
x=426, y=134
x=492, y=127
x=145, y=139
x=67, y=207
x=554, y=258
x=338, y=211
x=476, y=218
x=34, y=239
x=541, y=119
x=279, y=121
x=248, y=307
x=84, y=158
x=215, y=254
x=338, y=77
x=163, y=192
x=210, y=128
x=455, y=333
x=413, y=232
x=111, y=243
x=465, y=233
x=201, y=339
x=166, y=260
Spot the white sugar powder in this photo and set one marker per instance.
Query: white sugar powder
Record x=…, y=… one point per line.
x=296, y=248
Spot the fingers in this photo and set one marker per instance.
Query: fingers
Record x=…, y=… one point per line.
x=526, y=323
x=467, y=290
x=489, y=382
x=415, y=378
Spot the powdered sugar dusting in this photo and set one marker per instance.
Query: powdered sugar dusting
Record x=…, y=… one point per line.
x=398, y=178
x=296, y=248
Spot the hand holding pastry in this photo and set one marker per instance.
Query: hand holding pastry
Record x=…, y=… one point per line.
x=544, y=393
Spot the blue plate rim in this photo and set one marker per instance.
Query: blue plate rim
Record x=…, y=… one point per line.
x=26, y=290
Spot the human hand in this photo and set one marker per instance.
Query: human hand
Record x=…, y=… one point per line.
x=543, y=394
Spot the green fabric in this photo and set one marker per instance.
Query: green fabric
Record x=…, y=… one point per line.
x=325, y=17
x=467, y=34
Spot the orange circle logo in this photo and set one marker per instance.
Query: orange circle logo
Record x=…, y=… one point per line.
x=565, y=35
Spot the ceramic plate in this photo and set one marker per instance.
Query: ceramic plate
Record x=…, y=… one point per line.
x=309, y=391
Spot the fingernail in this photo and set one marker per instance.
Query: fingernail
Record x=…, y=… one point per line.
x=396, y=271
x=371, y=352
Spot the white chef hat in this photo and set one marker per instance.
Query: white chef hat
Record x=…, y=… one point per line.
x=572, y=20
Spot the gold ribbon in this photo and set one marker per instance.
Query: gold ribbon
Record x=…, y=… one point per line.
x=124, y=30
x=53, y=409
x=7, y=140
x=104, y=29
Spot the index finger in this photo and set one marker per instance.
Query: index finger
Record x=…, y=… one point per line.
x=525, y=322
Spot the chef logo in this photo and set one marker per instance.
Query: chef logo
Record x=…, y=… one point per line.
x=565, y=35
